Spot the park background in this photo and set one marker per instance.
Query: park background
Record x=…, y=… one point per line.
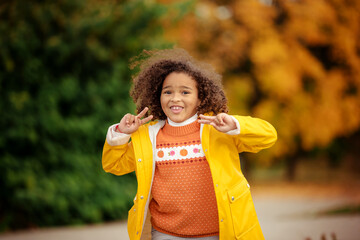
x=65, y=77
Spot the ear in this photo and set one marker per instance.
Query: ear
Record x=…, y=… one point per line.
x=198, y=104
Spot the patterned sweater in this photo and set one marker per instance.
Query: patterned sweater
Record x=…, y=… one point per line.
x=183, y=202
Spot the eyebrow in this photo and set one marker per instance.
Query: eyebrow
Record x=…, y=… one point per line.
x=186, y=87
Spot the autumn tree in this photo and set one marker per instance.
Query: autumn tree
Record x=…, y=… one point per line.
x=293, y=63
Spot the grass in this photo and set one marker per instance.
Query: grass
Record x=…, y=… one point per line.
x=342, y=210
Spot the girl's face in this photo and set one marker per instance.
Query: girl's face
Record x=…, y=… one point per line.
x=179, y=97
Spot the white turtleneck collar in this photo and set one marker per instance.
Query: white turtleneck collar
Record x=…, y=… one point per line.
x=186, y=122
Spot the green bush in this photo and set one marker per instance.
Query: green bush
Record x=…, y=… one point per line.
x=63, y=80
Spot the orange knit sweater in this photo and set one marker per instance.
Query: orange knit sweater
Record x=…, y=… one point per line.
x=183, y=202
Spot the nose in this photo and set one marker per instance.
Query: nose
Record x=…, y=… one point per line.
x=175, y=97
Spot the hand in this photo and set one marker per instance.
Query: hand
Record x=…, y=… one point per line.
x=221, y=122
x=130, y=123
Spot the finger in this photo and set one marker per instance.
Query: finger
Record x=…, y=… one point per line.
x=131, y=119
x=124, y=119
x=204, y=121
x=216, y=121
x=220, y=119
x=145, y=120
x=207, y=117
x=127, y=118
x=142, y=113
x=138, y=121
x=216, y=126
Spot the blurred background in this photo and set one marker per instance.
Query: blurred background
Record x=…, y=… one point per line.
x=64, y=78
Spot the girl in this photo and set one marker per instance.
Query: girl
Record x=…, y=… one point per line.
x=190, y=185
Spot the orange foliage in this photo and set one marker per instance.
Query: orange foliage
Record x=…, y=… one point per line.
x=295, y=64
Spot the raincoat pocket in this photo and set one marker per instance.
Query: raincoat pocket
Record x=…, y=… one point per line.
x=242, y=209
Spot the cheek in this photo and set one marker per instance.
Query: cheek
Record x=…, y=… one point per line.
x=162, y=102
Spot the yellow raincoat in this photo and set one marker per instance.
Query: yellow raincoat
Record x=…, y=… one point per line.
x=237, y=216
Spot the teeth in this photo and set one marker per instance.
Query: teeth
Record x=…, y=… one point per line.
x=176, y=108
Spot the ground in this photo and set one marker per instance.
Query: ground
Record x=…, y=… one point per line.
x=286, y=212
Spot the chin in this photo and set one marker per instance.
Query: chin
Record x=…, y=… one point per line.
x=177, y=119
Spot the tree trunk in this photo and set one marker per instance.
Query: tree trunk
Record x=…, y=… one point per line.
x=291, y=165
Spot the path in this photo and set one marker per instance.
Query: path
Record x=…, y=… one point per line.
x=291, y=212
x=286, y=212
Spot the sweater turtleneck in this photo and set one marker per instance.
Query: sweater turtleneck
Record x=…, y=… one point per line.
x=186, y=122
x=181, y=131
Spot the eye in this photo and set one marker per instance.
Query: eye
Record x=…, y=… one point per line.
x=166, y=92
x=185, y=92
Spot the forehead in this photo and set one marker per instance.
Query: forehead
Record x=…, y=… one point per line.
x=179, y=79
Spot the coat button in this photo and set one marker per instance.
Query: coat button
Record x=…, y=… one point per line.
x=217, y=185
x=222, y=220
x=248, y=185
x=232, y=198
x=141, y=197
x=139, y=160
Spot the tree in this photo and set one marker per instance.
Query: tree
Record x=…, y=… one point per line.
x=293, y=63
x=63, y=80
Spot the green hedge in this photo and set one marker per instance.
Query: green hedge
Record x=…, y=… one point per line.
x=63, y=80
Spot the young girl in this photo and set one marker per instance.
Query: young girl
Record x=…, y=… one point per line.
x=190, y=185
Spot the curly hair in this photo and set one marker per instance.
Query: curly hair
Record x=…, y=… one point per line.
x=154, y=66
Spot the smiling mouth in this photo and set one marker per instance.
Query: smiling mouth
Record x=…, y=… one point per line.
x=176, y=109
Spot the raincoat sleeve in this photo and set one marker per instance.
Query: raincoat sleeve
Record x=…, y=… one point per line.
x=118, y=153
x=255, y=134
